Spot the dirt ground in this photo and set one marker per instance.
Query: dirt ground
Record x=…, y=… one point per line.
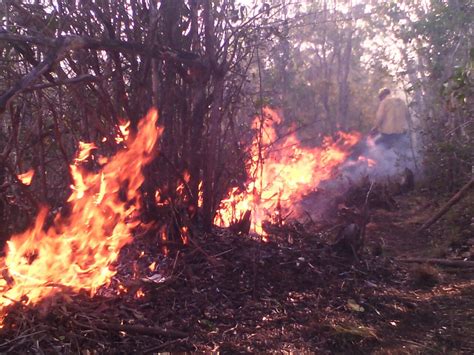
x=295, y=293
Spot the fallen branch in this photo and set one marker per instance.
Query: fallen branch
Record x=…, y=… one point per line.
x=442, y=262
x=453, y=200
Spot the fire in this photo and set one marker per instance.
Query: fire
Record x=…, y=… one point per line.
x=281, y=172
x=27, y=177
x=180, y=191
x=200, y=194
x=77, y=252
x=121, y=289
x=164, y=238
x=84, y=152
x=185, y=235
x=186, y=176
x=139, y=294
x=124, y=132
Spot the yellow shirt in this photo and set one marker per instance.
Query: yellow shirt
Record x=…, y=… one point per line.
x=392, y=116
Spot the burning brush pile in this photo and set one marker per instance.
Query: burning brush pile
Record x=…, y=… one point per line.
x=78, y=254
x=78, y=251
x=282, y=172
x=290, y=181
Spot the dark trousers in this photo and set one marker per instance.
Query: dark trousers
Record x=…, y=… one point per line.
x=391, y=140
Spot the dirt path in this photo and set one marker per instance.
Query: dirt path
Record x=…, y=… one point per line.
x=433, y=311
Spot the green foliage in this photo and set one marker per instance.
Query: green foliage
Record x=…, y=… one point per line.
x=460, y=88
x=439, y=64
x=448, y=164
x=450, y=151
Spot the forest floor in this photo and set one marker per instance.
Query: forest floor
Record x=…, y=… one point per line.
x=235, y=294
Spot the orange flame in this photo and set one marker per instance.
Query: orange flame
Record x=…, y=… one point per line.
x=185, y=235
x=78, y=251
x=200, y=194
x=121, y=289
x=84, y=151
x=281, y=172
x=124, y=132
x=27, y=177
x=164, y=238
x=139, y=294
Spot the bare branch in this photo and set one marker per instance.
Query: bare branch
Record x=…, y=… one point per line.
x=75, y=80
x=64, y=44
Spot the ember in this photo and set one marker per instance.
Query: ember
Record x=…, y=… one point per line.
x=27, y=177
x=78, y=251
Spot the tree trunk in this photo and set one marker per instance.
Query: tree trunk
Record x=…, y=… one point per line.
x=344, y=69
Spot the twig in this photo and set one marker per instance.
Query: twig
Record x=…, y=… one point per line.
x=365, y=214
x=75, y=42
x=8, y=342
x=460, y=126
x=368, y=194
x=443, y=262
x=75, y=80
x=197, y=247
x=88, y=326
x=43, y=67
x=60, y=46
x=224, y=252
x=309, y=216
x=174, y=264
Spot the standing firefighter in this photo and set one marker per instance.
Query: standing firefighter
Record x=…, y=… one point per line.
x=391, y=120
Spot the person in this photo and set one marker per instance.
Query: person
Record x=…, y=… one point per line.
x=391, y=120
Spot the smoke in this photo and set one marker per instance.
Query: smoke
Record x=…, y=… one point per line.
x=375, y=160
x=379, y=160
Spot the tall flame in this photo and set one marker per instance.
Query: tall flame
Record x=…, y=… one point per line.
x=78, y=250
x=282, y=172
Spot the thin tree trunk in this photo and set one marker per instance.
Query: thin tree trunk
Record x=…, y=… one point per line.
x=41, y=156
x=344, y=69
x=209, y=178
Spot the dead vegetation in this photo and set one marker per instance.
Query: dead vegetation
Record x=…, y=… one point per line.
x=233, y=293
